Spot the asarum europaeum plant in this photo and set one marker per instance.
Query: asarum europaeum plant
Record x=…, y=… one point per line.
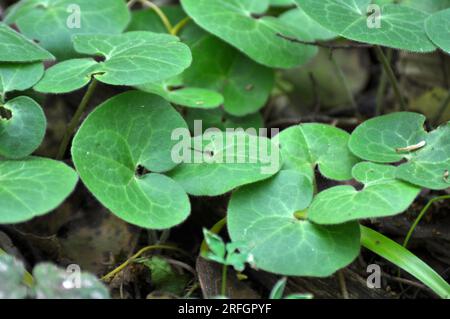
x=183, y=63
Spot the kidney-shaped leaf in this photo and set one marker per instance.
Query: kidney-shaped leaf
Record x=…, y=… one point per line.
x=263, y=217
x=305, y=146
x=382, y=195
x=19, y=76
x=32, y=187
x=131, y=58
x=14, y=47
x=398, y=136
x=54, y=22
x=22, y=127
x=438, y=29
x=245, y=85
x=218, y=162
x=235, y=22
x=120, y=151
x=395, y=26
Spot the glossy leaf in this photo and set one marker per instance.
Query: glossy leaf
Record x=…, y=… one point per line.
x=383, y=195
x=174, y=91
x=32, y=187
x=263, y=216
x=14, y=47
x=438, y=29
x=398, y=136
x=245, y=85
x=123, y=139
x=19, y=76
x=305, y=146
x=400, y=27
x=53, y=23
x=218, y=162
x=131, y=58
x=23, y=130
x=234, y=21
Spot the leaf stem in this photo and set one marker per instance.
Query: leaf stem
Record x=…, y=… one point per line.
x=165, y=20
x=391, y=76
x=223, y=289
x=76, y=119
x=179, y=26
x=419, y=218
x=117, y=270
x=382, y=86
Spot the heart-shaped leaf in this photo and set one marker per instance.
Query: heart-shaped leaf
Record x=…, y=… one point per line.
x=263, y=216
x=174, y=91
x=14, y=47
x=218, y=162
x=398, y=136
x=245, y=85
x=438, y=29
x=429, y=6
x=131, y=58
x=22, y=127
x=382, y=195
x=238, y=23
x=305, y=146
x=53, y=282
x=54, y=22
x=396, y=26
x=11, y=276
x=123, y=139
x=19, y=76
x=32, y=187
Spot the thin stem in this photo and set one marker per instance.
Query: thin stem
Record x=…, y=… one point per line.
x=165, y=20
x=441, y=109
x=223, y=289
x=325, y=45
x=343, y=285
x=419, y=218
x=179, y=26
x=343, y=79
x=391, y=76
x=117, y=270
x=382, y=86
x=76, y=119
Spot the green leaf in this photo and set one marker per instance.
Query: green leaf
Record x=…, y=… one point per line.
x=245, y=85
x=19, y=76
x=404, y=259
x=429, y=6
x=11, y=275
x=400, y=27
x=53, y=23
x=218, y=162
x=14, y=47
x=23, y=130
x=53, y=282
x=32, y=187
x=174, y=91
x=398, y=136
x=128, y=134
x=299, y=20
x=281, y=3
x=131, y=58
x=263, y=216
x=234, y=22
x=383, y=195
x=438, y=29
x=216, y=247
x=305, y=146
x=278, y=290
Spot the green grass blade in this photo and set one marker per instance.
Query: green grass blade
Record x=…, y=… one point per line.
x=404, y=259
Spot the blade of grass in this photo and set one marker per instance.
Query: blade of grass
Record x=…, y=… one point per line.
x=403, y=258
